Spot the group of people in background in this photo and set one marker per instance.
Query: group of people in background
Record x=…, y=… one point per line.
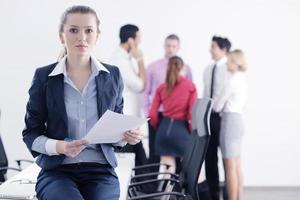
x=165, y=93
x=67, y=98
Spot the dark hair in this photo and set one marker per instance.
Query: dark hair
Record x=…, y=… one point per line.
x=128, y=31
x=77, y=9
x=223, y=43
x=173, y=37
x=175, y=65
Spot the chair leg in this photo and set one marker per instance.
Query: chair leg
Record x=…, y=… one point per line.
x=2, y=178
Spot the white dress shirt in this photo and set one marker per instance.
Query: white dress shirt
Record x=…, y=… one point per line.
x=220, y=79
x=233, y=95
x=133, y=84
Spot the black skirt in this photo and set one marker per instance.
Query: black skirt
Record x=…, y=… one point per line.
x=171, y=137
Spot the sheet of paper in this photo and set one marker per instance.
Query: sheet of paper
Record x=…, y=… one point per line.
x=110, y=128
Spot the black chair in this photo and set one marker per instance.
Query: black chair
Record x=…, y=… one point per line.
x=185, y=183
x=4, y=163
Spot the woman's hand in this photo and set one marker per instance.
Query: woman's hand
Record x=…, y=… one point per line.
x=133, y=136
x=72, y=148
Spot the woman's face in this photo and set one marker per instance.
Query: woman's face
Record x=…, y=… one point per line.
x=231, y=65
x=79, y=34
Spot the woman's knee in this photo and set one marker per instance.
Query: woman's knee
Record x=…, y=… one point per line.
x=57, y=189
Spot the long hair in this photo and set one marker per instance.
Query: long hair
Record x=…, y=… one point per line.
x=72, y=10
x=174, y=67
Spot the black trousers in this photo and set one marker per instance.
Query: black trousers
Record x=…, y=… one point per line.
x=211, y=161
x=152, y=133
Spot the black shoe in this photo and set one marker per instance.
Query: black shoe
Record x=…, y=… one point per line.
x=223, y=189
x=203, y=191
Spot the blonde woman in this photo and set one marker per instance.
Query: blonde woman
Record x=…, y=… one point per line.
x=231, y=103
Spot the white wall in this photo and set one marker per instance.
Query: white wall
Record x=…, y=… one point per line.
x=268, y=31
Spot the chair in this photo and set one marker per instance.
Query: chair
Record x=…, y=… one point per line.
x=192, y=161
x=4, y=163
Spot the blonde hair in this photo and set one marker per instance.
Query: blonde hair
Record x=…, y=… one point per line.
x=72, y=10
x=238, y=57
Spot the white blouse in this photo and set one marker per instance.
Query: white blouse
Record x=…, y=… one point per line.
x=234, y=94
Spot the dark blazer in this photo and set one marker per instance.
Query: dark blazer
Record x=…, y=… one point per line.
x=46, y=112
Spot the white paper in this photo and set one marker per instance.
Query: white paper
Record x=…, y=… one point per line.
x=110, y=128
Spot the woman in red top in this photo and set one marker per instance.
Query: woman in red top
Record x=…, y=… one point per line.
x=177, y=96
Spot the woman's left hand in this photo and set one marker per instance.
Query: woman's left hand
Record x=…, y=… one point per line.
x=133, y=136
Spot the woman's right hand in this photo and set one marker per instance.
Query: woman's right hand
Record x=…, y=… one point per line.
x=72, y=148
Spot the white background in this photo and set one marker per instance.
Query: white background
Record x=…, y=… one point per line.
x=268, y=31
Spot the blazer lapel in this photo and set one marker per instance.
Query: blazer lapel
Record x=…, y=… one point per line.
x=103, y=96
x=56, y=86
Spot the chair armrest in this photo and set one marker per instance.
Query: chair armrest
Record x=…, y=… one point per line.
x=10, y=168
x=154, y=174
x=134, y=187
x=158, y=194
x=149, y=165
x=19, y=161
x=24, y=160
x=153, y=181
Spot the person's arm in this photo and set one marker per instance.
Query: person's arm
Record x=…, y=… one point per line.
x=206, y=82
x=153, y=113
x=119, y=103
x=130, y=78
x=222, y=98
x=36, y=114
x=138, y=56
x=44, y=145
x=52, y=147
x=147, y=92
x=192, y=100
x=142, y=70
x=35, y=119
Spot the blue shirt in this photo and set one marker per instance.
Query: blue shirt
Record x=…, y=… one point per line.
x=81, y=108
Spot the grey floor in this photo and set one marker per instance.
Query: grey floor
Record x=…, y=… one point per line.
x=272, y=193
